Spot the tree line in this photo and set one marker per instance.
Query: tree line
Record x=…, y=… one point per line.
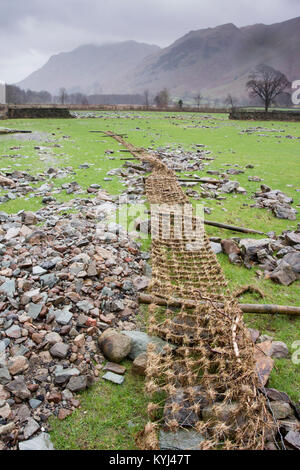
x=265, y=86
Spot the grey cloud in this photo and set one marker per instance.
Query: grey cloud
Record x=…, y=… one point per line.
x=32, y=30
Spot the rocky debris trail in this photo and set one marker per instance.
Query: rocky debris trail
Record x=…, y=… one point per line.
x=278, y=257
x=21, y=184
x=62, y=284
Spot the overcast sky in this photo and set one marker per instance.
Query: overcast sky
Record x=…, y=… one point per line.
x=32, y=30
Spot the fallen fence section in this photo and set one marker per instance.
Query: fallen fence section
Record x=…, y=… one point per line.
x=203, y=383
x=266, y=309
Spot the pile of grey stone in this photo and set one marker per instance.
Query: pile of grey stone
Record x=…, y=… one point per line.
x=63, y=282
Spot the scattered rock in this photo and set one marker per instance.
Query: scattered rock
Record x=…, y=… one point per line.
x=116, y=368
x=59, y=350
x=293, y=439
x=281, y=410
x=18, y=364
x=279, y=350
x=112, y=377
x=139, y=364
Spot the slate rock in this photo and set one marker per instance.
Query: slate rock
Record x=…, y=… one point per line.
x=186, y=415
x=112, y=377
x=61, y=375
x=216, y=247
x=33, y=310
x=77, y=384
x=8, y=288
x=5, y=376
x=31, y=427
x=63, y=316
x=180, y=440
x=40, y=442
x=276, y=395
x=49, y=280
x=18, y=388
x=293, y=439
x=288, y=269
x=59, y=350
x=116, y=368
x=226, y=412
x=13, y=332
x=18, y=364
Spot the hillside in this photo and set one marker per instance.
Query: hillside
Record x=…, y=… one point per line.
x=214, y=61
x=218, y=60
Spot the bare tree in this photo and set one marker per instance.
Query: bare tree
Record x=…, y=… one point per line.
x=198, y=99
x=146, y=98
x=162, y=98
x=266, y=84
x=62, y=95
x=230, y=101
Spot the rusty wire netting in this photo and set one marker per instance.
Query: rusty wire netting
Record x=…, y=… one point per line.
x=204, y=381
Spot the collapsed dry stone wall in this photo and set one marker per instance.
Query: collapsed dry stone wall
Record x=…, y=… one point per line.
x=263, y=116
x=29, y=112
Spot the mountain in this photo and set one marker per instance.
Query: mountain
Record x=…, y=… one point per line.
x=218, y=60
x=89, y=68
x=213, y=61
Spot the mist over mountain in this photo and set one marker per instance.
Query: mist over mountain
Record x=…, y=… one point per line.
x=89, y=69
x=215, y=61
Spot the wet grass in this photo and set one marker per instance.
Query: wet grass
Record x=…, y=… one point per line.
x=109, y=417
x=102, y=421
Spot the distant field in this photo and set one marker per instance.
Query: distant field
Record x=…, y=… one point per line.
x=274, y=155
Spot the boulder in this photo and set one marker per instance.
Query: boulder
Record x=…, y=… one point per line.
x=115, y=346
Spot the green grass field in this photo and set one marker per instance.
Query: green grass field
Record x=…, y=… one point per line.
x=275, y=158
